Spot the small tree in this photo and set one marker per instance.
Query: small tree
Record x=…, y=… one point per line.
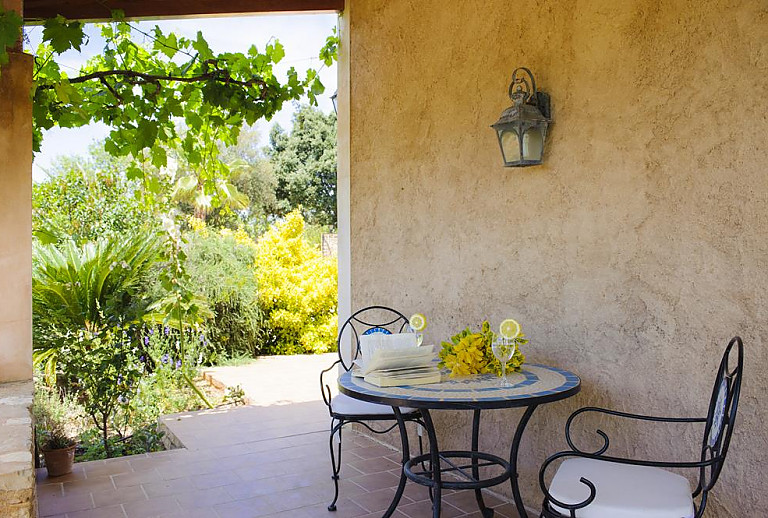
x=104, y=370
x=88, y=198
x=253, y=174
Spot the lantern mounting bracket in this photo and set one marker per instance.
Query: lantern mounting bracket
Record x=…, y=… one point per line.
x=527, y=85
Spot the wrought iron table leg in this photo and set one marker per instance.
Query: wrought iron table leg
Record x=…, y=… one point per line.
x=406, y=458
x=513, y=453
x=434, y=460
x=487, y=512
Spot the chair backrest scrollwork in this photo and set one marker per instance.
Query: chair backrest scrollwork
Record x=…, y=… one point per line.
x=721, y=417
x=373, y=319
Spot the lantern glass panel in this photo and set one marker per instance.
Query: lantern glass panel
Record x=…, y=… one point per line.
x=533, y=144
x=510, y=145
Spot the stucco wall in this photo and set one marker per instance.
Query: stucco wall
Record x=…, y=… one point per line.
x=631, y=256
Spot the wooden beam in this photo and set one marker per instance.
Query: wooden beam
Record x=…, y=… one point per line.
x=94, y=10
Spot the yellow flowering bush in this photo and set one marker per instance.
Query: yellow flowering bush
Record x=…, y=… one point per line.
x=297, y=290
x=197, y=225
x=470, y=352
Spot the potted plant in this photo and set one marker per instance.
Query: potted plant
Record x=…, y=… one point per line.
x=58, y=451
x=51, y=425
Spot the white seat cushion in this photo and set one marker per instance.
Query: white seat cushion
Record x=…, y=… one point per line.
x=343, y=404
x=623, y=491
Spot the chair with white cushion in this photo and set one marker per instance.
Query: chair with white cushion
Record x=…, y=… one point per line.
x=345, y=410
x=595, y=485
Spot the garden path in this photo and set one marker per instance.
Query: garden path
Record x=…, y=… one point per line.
x=269, y=459
x=271, y=380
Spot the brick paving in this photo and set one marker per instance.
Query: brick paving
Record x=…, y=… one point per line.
x=255, y=461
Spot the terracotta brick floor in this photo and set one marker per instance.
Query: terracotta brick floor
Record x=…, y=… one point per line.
x=266, y=461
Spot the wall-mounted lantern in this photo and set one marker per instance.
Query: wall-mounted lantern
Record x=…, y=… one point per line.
x=333, y=100
x=522, y=128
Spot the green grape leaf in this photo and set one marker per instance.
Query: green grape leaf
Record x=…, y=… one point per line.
x=134, y=172
x=168, y=45
x=330, y=51
x=202, y=48
x=10, y=31
x=276, y=51
x=153, y=184
x=10, y=27
x=63, y=35
x=159, y=156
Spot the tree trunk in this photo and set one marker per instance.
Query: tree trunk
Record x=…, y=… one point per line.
x=107, y=449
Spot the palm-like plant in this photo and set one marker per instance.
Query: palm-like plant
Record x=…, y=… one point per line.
x=194, y=190
x=89, y=287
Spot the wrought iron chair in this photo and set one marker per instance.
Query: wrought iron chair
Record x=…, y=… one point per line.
x=346, y=410
x=594, y=485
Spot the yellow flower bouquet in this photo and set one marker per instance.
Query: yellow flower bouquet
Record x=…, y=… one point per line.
x=470, y=353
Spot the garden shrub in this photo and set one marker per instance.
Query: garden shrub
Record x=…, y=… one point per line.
x=88, y=306
x=86, y=199
x=167, y=356
x=142, y=439
x=88, y=288
x=297, y=291
x=220, y=267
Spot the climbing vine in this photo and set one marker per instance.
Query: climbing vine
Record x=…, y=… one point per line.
x=160, y=93
x=10, y=31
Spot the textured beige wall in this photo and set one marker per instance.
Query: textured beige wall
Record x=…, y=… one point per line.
x=16, y=219
x=631, y=256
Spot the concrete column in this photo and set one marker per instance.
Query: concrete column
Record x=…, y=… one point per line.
x=342, y=176
x=17, y=470
x=16, y=215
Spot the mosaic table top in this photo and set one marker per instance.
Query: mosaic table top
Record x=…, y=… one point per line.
x=533, y=385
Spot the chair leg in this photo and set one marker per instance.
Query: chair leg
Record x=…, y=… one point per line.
x=335, y=461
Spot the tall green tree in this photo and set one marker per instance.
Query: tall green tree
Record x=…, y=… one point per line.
x=305, y=165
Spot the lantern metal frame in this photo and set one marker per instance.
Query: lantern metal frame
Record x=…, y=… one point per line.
x=530, y=110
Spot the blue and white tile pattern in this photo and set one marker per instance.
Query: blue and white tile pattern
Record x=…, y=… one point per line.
x=532, y=382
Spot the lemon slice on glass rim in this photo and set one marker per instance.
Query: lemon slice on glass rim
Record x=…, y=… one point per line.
x=418, y=322
x=509, y=329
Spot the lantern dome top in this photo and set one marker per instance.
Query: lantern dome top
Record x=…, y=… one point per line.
x=521, y=113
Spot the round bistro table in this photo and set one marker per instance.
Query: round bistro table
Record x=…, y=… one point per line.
x=532, y=386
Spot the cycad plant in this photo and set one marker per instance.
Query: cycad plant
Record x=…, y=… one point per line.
x=89, y=288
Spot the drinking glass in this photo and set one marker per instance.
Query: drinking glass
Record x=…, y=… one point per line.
x=419, y=335
x=503, y=349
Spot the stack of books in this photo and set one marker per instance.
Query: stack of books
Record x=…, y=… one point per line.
x=395, y=360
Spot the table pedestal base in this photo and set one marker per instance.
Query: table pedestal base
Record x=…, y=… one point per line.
x=428, y=469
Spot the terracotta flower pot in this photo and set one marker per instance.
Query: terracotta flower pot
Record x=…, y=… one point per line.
x=59, y=462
